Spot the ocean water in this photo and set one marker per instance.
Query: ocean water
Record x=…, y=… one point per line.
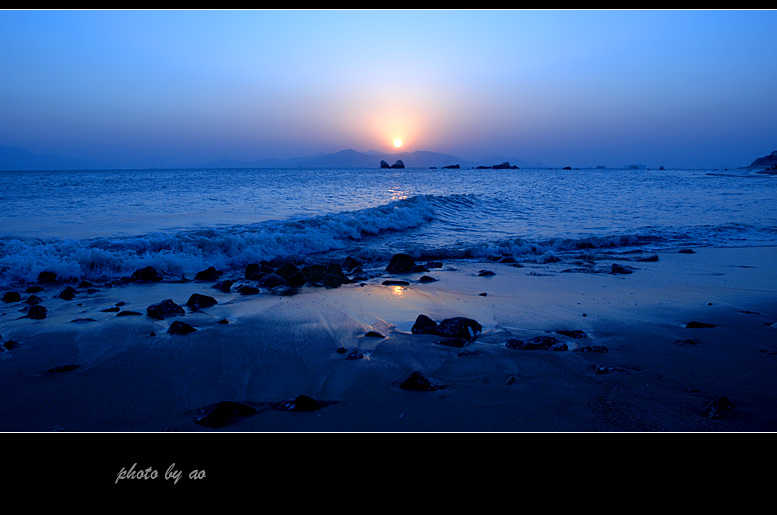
x=105, y=224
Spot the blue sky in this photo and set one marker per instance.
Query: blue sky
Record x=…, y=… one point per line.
x=165, y=88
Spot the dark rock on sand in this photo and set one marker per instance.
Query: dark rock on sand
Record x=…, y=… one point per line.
x=128, y=313
x=270, y=281
x=486, y=273
x=698, y=325
x=423, y=325
x=9, y=345
x=426, y=279
x=292, y=274
x=394, y=282
x=255, y=271
x=619, y=269
x=536, y=343
x=400, y=264
x=197, y=301
x=224, y=286
x=686, y=251
x=458, y=327
x=36, y=312
x=417, y=382
x=573, y=334
x=454, y=342
x=60, y=369
x=12, y=296
x=179, y=327
x=164, y=309
x=148, y=274
x=222, y=413
x=592, y=348
x=648, y=259
x=350, y=263
x=209, y=274
x=434, y=264
x=247, y=290
x=47, y=277
x=68, y=293
x=33, y=289
x=301, y=403
x=354, y=354
x=373, y=334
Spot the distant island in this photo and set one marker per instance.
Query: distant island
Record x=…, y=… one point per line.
x=769, y=161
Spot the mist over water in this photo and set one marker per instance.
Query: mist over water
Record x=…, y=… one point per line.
x=98, y=224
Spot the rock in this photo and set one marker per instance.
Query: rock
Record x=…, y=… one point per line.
x=417, y=269
x=209, y=274
x=423, y=325
x=394, y=282
x=354, y=354
x=60, y=369
x=9, y=345
x=197, y=301
x=12, y=296
x=33, y=289
x=247, y=290
x=68, y=293
x=270, y=281
x=454, y=342
x=301, y=403
x=648, y=259
x=451, y=167
x=47, y=277
x=765, y=161
x=179, y=327
x=619, y=269
x=592, y=348
x=36, y=312
x=224, y=286
x=434, y=264
x=417, y=382
x=486, y=273
x=502, y=166
x=535, y=343
x=222, y=413
x=686, y=251
x=384, y=164
x=398, y=164
x=373, y=334
x=698, y=325
x=350, y=263
x=426, y=279
x=717, y=408
x=254, y=272
x=292, y=274
x=572, y=334
x=458, y=327
x=608, y=369
x=164, y=309
x=129, y=313
x=148, y=274
x=400, y=264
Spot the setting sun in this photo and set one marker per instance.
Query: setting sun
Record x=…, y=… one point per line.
x=397, y=142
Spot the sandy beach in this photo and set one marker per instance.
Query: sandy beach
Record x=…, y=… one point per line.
x=625, y=360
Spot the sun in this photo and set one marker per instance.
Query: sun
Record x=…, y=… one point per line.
x=397, y=142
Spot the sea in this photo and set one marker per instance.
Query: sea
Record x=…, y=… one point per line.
x=104, y=224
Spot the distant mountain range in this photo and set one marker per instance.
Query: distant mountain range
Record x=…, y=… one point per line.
x=15, y=158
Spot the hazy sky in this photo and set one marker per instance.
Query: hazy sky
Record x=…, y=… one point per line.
x=158, y=88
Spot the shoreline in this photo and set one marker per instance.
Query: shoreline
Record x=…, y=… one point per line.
x=656, y=374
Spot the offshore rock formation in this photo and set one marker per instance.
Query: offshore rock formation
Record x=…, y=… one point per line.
x=769, y=161
x=398, y=164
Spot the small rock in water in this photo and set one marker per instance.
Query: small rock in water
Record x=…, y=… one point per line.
x=148, y=274
x=536, y=343
x=373, y=334
x=354, y=354
x=458, y=327
x=698, y=325
x=573, y=334
x=486, y=273
x=222, y=413
x=224, y=286
x=417, y=382
x=47, y=277
x=128, y=313
x=209, y=274
x=270, y=281
x=619, y=269
x=394, y=282
x=302, y=403
x=426, y=279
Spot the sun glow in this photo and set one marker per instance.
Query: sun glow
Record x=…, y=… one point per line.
x=397, y=142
